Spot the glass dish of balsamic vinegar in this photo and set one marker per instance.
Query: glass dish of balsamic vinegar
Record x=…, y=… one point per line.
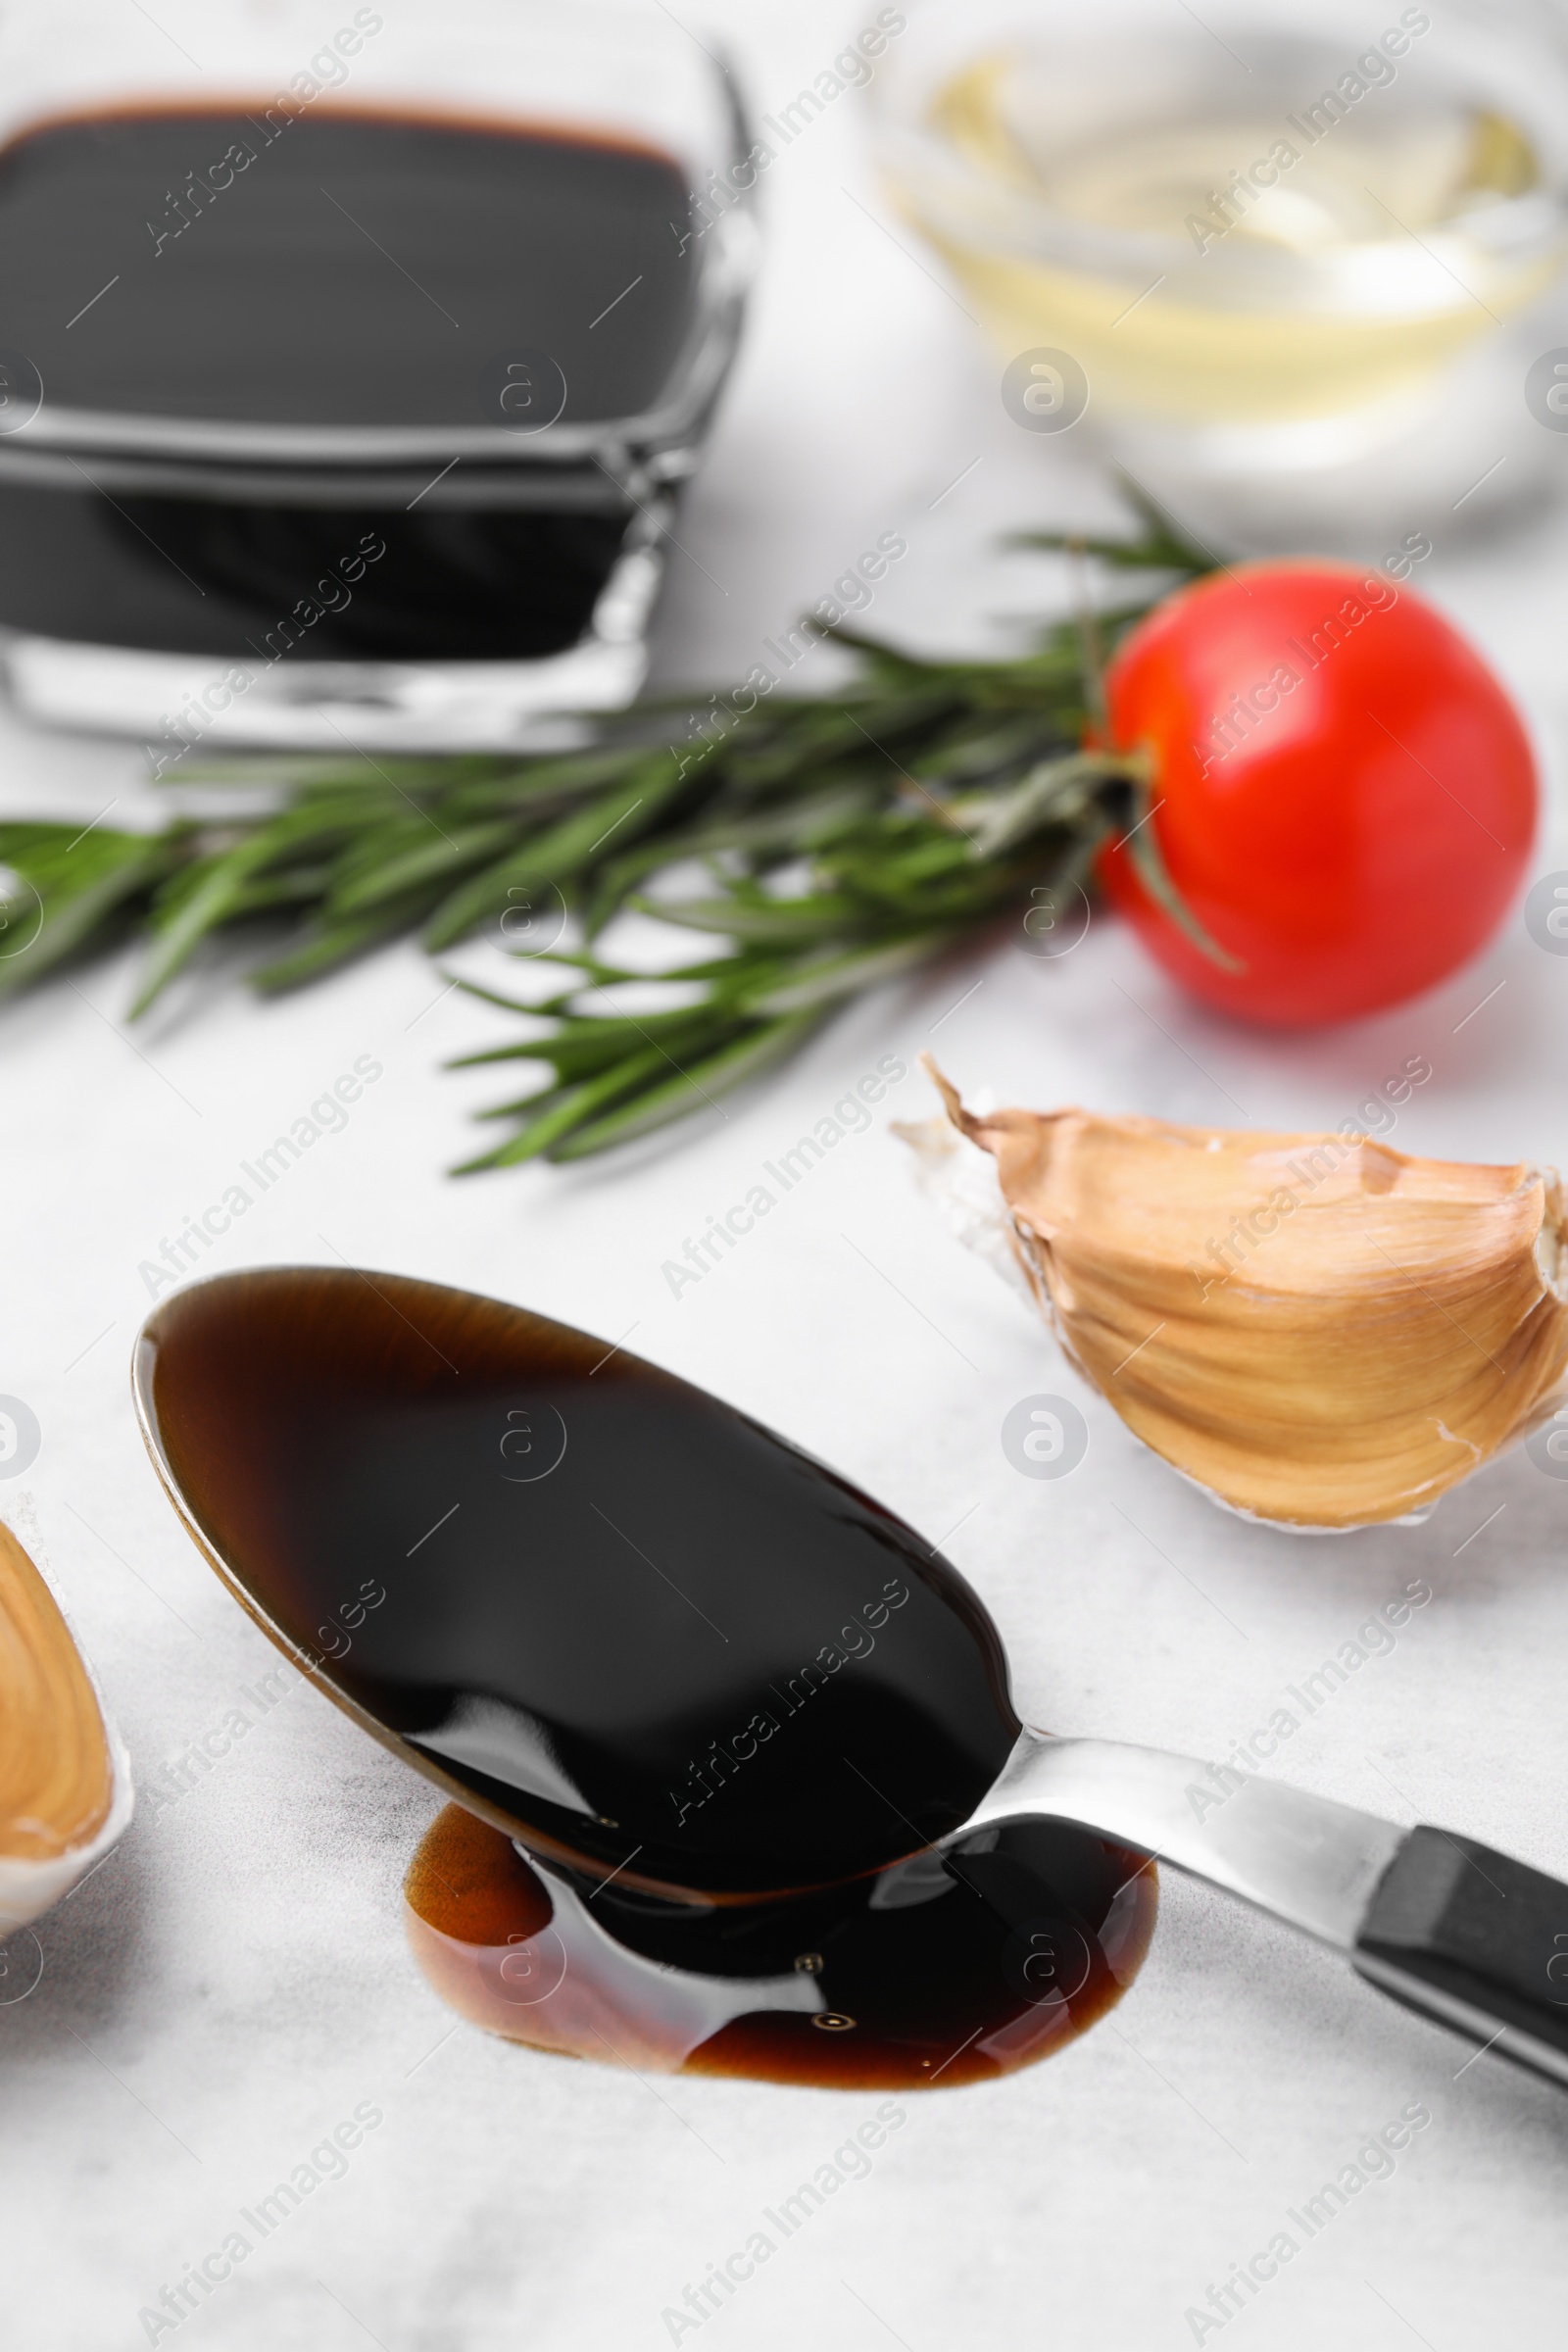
x=349, y=371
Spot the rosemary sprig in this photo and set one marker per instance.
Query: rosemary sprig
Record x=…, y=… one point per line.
x=842, y=839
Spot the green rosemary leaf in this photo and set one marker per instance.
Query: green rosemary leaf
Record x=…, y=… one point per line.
x=298, y=886
x=985, y=747
x=578, y=1049
x=790, y=829
x=208, y=891
x=336, y=943
x=568, y=1109
x=849, y=837
x=539, y=1100
x=1162, y=531
x=1154, y=554
x=833, y=977
x=751, y=916
x=904, y=876
x=815, y=733
x=519, y=785
x=207, y=895
x=690, y=1090
x=559, y=854
x=1164, y=547
x=76, y=889
x=330, y=771
x=599, y=975
x=885, y=666
x=430, y=859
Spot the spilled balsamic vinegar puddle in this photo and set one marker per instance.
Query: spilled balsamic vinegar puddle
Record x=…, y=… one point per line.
x=921, y=1976
x=722, y=1697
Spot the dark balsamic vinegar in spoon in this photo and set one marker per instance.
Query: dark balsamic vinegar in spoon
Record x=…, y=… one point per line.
x=715, y=1691
x=633, y=1625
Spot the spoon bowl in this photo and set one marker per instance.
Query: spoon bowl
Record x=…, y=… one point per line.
x=613, y=1616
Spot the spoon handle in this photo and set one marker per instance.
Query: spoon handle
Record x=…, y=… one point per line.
x=1470, y=1937
x=1476, y=1940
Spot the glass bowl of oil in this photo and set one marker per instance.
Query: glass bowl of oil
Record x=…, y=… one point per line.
x=1290, y=271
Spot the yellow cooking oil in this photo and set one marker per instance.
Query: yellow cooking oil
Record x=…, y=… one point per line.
x=1314, y=248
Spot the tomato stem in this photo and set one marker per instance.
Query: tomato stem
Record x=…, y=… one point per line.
x=1141, y=845
x=1063, y=790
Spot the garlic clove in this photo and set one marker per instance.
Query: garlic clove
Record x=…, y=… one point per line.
x=65, y=1778
x=1320, y=1331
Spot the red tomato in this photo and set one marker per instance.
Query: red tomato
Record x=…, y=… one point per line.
x=1345, y=797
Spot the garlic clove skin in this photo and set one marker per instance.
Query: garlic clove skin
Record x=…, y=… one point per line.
x=65, y=1778
x=1320, y=1331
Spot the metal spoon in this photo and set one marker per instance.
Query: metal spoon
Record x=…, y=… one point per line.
x=655, y=1641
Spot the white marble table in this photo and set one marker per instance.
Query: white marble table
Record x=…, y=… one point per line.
x=233, y=1984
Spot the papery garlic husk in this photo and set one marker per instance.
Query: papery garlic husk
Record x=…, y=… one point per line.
x=65, y=1778
x=1318, y=1330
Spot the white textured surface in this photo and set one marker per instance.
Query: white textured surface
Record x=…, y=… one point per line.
x=233, y=1982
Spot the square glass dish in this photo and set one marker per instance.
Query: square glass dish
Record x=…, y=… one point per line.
x=347, y=383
